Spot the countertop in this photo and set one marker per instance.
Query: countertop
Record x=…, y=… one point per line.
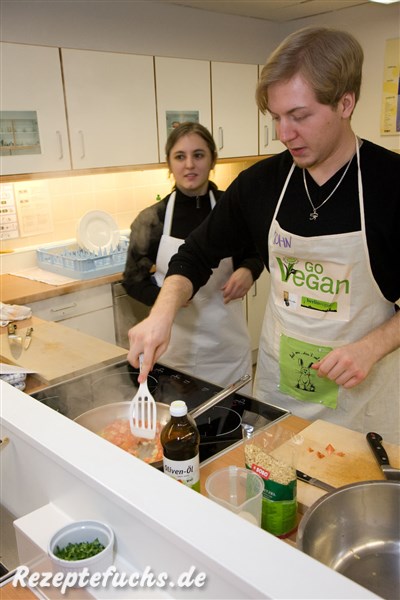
x=352, y=461
x=58, y=352
x=19, y=290
x=235, y=456
x=23, y=291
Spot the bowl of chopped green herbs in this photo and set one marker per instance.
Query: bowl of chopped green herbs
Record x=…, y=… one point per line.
x=82, y=544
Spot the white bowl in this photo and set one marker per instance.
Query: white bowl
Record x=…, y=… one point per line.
x=83, y=531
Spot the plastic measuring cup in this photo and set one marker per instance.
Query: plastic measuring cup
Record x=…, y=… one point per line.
x=240, y=490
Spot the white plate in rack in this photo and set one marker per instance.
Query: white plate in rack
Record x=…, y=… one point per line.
x=97, y=231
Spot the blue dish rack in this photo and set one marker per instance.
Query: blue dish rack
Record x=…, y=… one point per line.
x=73, y=261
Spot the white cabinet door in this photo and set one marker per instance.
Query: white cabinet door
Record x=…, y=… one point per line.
x=235, y=114
x=111, y=108
x=89, y=311
x=268, y=140
x=269, y=143
x=31, y=86
x=256, y=303
x=99, y=324
x=183, y=88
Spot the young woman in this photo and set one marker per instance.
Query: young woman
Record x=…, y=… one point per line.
x=209, y=338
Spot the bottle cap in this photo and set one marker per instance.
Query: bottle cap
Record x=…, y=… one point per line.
x=178, y=408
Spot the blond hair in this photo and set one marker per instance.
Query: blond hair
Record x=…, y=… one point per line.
x=328, y=59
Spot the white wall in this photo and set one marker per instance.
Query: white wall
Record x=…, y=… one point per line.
x=142, y=27
x=154, y=28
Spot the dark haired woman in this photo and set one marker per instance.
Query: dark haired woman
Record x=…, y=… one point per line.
x=209, y=338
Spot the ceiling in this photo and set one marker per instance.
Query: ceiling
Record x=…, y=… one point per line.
x=272, y=10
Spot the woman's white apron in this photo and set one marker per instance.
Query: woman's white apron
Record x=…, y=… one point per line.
x=209, y=339
x=323, y=295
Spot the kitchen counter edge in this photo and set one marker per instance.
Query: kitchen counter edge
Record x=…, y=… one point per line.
x=20, y=290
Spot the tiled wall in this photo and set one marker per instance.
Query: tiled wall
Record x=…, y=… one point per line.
x=123, y=195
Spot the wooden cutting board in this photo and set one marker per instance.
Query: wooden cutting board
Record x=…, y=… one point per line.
x=335, y=455
x=58, y=352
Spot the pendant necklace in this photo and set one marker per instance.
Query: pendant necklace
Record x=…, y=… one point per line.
x=314, y=214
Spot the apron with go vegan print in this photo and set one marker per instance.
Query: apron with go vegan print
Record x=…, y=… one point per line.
x=323, y=295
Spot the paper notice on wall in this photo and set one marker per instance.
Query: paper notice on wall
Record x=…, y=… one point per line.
x=390, y=114
x=33, y=208
x=8, y=213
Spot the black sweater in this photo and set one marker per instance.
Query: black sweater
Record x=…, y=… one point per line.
x=146, y=232
x=244, y=213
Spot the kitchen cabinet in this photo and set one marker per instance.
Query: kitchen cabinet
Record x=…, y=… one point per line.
x=268, y=139
x=181, y=101
x=89, y=311
x=235, y=114
x=81, y=109
x=33, y=135
x=110, y=101
x=256, y=300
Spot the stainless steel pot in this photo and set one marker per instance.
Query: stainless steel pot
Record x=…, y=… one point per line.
x=355, y=530
x=98, y=418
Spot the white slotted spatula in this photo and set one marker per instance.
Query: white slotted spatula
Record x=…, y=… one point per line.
x=143, y=411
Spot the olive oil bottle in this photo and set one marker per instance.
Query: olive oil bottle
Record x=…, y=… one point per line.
x=180, y=440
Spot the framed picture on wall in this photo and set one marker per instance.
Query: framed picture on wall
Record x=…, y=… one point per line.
x=176, y=117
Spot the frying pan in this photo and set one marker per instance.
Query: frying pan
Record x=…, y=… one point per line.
x=98, y=418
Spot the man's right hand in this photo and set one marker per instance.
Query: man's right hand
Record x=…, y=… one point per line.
x=152, y=335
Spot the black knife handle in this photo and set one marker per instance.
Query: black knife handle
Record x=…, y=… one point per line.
x=303, y=476
x=374, y=440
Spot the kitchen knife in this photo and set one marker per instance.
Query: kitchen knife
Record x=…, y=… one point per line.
x=374, y=440
x=313, y=481
x=28, y=338
x=14, y=340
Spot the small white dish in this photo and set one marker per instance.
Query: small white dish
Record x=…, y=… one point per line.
x=97, y=231
x=83, y=531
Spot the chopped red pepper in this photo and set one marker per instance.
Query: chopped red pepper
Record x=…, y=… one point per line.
x=310, y=449
x=320, y=455
x=330, y=449
x=340, y=454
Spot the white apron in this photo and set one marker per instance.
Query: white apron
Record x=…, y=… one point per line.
x=209, y=339
x=323, y=295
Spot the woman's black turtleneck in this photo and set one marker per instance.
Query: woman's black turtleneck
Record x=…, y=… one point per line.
x=146, y=232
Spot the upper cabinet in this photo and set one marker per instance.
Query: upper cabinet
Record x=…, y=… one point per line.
x=268, y=140
x=82, y=109
x=111, y=108
x=183, y=94
x=235, y=114
x=33, y=126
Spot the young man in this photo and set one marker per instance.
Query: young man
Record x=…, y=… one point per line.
x=324, y=216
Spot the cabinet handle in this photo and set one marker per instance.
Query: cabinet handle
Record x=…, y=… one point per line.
x=274, y=136
x=265, y=136
x=82, y=143
x=255, y=290
x=65, y=307
x=3, y=442
x=60, y=145
x=220, y=138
